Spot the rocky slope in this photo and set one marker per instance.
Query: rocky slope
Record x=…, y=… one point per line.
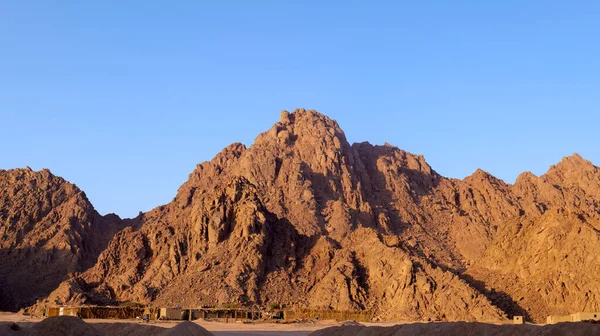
x=303, y=218
x=546, y=261
x=48, y=229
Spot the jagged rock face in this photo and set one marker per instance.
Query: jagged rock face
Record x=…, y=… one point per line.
x=545, y=261
x=305, y=219
x=573, y=184
x=540, y=266
x=220, y=234
x=48, y=229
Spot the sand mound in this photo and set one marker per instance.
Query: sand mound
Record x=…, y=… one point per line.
x=186, y=329
x=463, y=329
x=64, y=326
x=127, y=329
x=352, y=323
x=6, y=330
x=142, y=329
x=73, y=326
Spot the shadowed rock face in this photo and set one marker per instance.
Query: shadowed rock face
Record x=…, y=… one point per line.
x=303, y=218
x=48, y=229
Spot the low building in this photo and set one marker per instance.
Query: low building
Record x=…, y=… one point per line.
x=327, y=314
x=95, y=312
x=152, y=313
x=518, y=320
x=578, y=317
x=51, y=311
x=171, y=314
x=558, y=319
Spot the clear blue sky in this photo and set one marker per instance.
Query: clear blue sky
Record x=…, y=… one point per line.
x=123, y=98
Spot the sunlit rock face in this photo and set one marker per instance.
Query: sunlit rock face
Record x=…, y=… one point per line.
x=304, y=219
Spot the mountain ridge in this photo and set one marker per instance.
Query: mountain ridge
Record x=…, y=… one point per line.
x=306, y=219
x=48, y=229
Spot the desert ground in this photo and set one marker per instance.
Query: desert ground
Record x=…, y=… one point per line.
x=135, y=327
x=67, y=326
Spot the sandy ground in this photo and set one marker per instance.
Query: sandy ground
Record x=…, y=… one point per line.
x=217, y=328
x=94, y=327
x=324, y=328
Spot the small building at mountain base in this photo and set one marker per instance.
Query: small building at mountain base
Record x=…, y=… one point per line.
x=171, y=314
x=558, y=319
x=578, y=317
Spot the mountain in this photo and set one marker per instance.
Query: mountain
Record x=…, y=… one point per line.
x=548, y=259
x=304, y=219
x=48, y=230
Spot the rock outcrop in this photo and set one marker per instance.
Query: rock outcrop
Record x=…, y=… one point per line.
x=304, y=219
x=48, y=230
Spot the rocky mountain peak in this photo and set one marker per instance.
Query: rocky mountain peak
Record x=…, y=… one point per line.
x=575, y=159
x=574, y=172
x=302, y=118
x=303, y=127
x=571, y=165
x=480, y=174
x=525, y=177
x=304, y=219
